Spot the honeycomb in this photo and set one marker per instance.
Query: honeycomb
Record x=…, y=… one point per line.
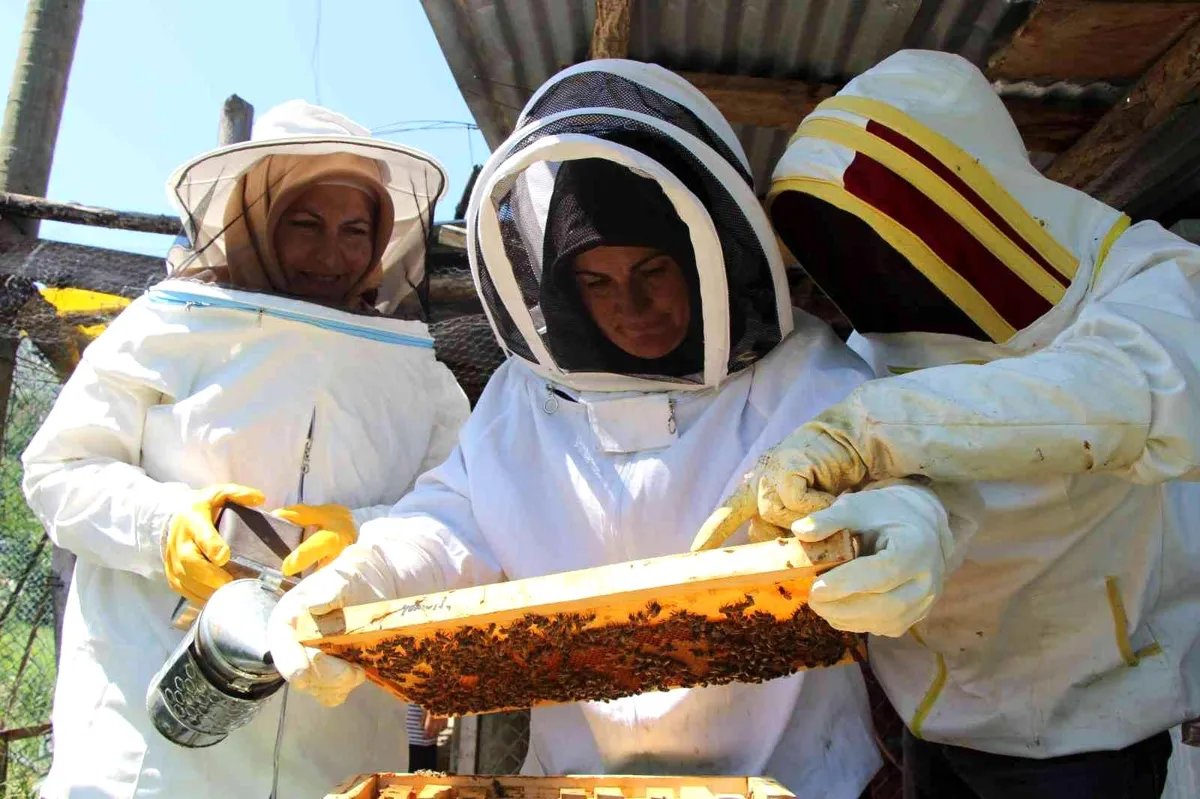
x=596, y=647
x=425, y=785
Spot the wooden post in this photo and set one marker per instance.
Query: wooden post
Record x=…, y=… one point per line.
x=610, y=34
x=237, y=120
x=36, y=96
x=466, y=734
x=27, y=139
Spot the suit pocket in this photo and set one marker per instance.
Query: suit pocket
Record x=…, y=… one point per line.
x=1084, y=636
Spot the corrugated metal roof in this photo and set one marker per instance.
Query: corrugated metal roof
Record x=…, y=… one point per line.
x=500, y=51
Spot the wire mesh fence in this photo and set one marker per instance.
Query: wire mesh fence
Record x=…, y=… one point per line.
x=503, y=742
x=27, y=646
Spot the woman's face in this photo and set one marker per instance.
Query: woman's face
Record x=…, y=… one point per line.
x=637, y=296
x=325, y=240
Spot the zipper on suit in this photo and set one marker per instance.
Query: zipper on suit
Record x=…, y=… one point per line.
x=191, y=301
x=304, y=461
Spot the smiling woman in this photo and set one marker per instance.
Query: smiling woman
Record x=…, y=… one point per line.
x=324, y=240
x=306, y=211
x=313, y=227
x=276, y=329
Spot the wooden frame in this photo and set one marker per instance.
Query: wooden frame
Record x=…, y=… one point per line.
x=441, y=786
x=610, y=33
x=434, y=650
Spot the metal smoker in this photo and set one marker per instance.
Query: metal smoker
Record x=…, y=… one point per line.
x=221, y=673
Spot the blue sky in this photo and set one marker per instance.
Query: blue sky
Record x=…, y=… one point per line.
x=150, y=76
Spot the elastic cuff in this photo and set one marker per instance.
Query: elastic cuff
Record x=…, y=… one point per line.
x=152, y=530
x=369, y=513
x=414, y=570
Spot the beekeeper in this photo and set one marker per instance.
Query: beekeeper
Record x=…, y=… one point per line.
x=1035, y=347
x=630, y=273
x=262, y=372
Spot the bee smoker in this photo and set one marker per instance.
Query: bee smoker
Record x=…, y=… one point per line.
x=221, y=673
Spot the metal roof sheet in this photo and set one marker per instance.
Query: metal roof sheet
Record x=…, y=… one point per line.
x=500, y=51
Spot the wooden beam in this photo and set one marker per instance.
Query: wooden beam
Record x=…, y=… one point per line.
x=617, y=630
x=762, y=102
x=1049, y=127
x=610, y=34
x=21, y=733
x=1164, y=87
x=397, y=786
x=782, y=104
x=1086, y=40
x=28, y=207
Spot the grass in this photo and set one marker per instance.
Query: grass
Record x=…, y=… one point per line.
x=27, y=702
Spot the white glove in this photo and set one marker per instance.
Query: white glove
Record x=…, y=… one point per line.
x=906, y=532
x=799, y=476
x=359, y=575
x=1080, y=406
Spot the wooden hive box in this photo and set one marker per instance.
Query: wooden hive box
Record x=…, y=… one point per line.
x=738, y=614
x=441, y=786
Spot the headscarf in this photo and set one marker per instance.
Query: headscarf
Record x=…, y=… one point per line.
x=264, y=193
x=600, y=203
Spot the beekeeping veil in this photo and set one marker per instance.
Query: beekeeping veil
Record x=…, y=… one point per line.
x=910, y=199
x=201, y=190
x=673, y=156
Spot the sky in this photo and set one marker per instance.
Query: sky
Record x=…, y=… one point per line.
x=150, y=77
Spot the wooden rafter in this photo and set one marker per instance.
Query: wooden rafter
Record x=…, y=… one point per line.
x=27, y=207
x=1087, y=40
x=780, y=103
x=762, y=102
x=1161, y=90
x=610, y=34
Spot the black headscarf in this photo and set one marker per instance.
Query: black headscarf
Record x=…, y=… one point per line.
x=597, y=202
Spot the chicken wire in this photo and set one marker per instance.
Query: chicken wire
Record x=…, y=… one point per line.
x=503, y=742
x=27, y=589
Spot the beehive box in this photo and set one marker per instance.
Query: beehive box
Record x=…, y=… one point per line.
x=738, y=614
x=440, y=786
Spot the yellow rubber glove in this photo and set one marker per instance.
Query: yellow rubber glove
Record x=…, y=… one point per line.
x=194, y=551
x=335, y=530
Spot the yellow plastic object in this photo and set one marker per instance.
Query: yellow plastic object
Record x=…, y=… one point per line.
x=76, y=301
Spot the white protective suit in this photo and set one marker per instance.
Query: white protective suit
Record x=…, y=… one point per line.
x=1073, y=623
x=557, y=470
x=193, y=385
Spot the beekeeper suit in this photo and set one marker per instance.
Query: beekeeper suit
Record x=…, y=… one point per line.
x=579, y=456
x=1033, y=346
x=196, y=385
